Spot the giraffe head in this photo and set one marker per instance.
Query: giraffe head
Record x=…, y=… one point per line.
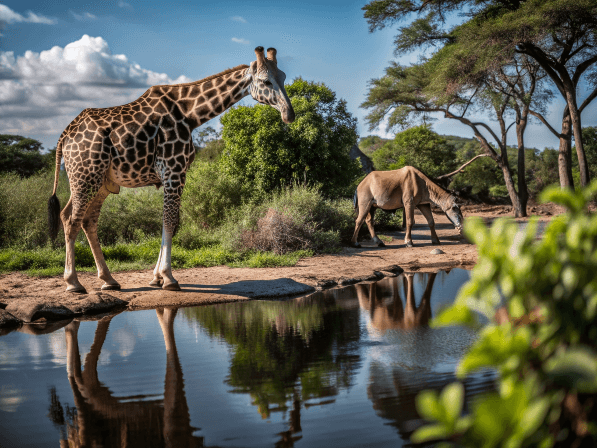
x=267, y=85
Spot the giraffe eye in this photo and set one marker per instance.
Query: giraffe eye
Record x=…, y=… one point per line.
x=267, y=83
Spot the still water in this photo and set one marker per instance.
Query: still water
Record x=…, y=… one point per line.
x=340, y=367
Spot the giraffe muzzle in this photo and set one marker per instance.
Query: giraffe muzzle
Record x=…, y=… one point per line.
x=287, y=115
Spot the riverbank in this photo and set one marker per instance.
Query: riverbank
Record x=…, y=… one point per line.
x=26, y=299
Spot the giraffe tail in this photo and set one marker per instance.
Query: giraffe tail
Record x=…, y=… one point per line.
x=53, y=202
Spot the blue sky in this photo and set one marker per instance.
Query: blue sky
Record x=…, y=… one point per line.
x=59, y=57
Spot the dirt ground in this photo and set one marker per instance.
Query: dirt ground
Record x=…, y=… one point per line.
x=222, y=284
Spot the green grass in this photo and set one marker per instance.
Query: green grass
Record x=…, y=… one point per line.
x=47, y=262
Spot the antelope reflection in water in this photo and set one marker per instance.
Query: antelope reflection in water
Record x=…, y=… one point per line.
x=383, y=301
x=104, y=420
x=414, y=357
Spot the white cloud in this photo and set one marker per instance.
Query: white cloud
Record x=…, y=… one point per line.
x=40, y=93
x=240, y=41
x=8, y=16
x=239, y=19
x=84, y=16
x=124, y=5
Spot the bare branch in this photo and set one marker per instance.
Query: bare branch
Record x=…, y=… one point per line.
x=444, y=176
x=544, y=121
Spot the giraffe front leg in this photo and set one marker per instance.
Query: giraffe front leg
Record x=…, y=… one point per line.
x=409, y=216
x=157, y=277
x=171, y=216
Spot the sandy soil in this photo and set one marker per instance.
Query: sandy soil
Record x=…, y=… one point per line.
x=221, y=284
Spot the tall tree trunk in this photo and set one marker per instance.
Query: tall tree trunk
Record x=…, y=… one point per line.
x=523, y=192
x=565, y=153
x=577, y=131
x=514, y=197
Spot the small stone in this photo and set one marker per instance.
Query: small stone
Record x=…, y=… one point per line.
x=437, y=251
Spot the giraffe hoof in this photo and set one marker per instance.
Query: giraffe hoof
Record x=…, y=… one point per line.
x=381, y=244
x=436, y=243
x=171, y=286
x=410, y=244
x=76, y=289
x=111, y=287
x=156, y=282
x=356, y=245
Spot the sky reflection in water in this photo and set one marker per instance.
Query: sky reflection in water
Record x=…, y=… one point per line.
x=337, y=368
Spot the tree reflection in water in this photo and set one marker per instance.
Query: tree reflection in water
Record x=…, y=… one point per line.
x=287, y=356
x=104, y=420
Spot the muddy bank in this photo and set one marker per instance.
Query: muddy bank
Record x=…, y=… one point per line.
x=25, y=299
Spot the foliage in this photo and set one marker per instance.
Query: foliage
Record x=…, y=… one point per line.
x=23, y=208
x=265, y=154
x=297, y=218
x=545, y=350
x=371, y=143
x=23, y=155
x=419, y=147
x=131, y=216
x=542, y=170
x=210, y=194
x=208, y=144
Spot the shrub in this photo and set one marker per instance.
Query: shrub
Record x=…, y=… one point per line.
x=131, y=216
x=544, y=351
x=209, y=194
x=293, y=219
x=23, y=208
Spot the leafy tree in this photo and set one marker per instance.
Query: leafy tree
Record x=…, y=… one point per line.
x=419, y=147
x=541, y=340
x=22, y=155
x=560, y=35
x=267, y=154
x=371, y=143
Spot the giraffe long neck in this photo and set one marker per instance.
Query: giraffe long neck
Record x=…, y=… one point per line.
x=439, y=196
x=203, y=100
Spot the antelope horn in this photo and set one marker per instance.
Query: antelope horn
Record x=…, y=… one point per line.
x=260, y=56
x=271, y=55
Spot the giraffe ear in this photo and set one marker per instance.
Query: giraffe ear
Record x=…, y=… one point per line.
x=260, y=56
x=271, y=55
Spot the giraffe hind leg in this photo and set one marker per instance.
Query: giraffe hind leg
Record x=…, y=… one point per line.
x=90, y=229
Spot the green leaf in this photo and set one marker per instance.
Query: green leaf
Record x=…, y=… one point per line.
x=575, y=368
x=429, y=432
x=452, y=399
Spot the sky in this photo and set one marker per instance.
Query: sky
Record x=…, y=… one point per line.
x=59, y=57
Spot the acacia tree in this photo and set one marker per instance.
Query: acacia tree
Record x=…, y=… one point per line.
x=560, y=35
x=405, y=94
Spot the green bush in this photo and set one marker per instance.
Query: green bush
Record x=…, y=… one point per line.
x=297, y=218
x=266, y=154
x=544, y=351
x=24, y=209
x=209, y=194
x=131, y=216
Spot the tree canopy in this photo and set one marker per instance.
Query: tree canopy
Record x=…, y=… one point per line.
x=22, y=155
x=268, y=154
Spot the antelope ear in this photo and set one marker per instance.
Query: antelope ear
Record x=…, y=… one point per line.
x=260, y=56
x=271, y=55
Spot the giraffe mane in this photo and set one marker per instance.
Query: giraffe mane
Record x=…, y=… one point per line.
x=217, y=75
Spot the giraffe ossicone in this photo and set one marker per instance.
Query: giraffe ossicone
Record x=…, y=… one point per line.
x=148, y=142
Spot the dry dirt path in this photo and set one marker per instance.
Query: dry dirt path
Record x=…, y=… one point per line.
x=30, y=298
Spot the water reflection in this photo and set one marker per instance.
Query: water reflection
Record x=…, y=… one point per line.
x=383, y=302
x=340, y=366
x=101, y=419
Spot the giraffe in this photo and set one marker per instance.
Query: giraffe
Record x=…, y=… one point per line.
x=148, y=142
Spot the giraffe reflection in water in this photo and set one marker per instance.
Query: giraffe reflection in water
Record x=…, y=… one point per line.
x=104, y=420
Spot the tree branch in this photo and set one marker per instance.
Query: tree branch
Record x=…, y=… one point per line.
x=544, y=121
x=444, y=176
